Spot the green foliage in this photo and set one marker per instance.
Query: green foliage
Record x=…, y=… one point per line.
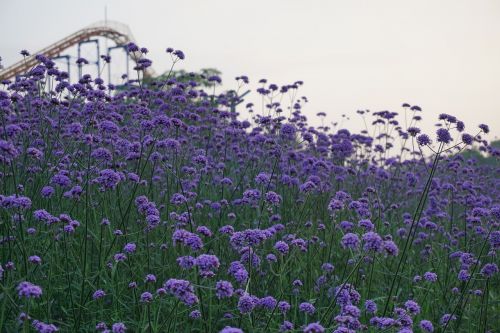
x=480, y=157
x=200, y=77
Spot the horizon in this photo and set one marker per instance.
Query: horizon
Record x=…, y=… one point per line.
x=382, y=56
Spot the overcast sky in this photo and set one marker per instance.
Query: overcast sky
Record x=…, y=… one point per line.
x=442, y=55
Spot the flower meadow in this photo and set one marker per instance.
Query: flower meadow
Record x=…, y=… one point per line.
x=158, y=206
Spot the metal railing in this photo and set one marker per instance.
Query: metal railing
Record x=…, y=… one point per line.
x=117, y=32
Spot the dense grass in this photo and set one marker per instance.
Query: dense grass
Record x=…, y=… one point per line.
x=138, y=203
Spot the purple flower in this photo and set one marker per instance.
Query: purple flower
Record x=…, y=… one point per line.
x=129, y=248
x=426, y=326
x=28, y=290
x=467, y=138
x=187, y=238
x=314, y=328
x=47, y=191
x=350, y=241
x=463, y=275
x=412, y=307
x=118, y=328
x=224, y=289
x=372, y=242
x=179, y=54
x=489, y=270
x=108, y=179
x=443, y=135
x=146, y=297
x=391, y=248
x=229, y=329
x=207, y=262
x=181, y=289
x=430, y=276
x=284, y=307
x=281, y=247
x=423, y=140
x=43, y=327
x=446, y=318
x=150, y=278
x=98, y=294
x=484, y=128
x=273, y=198
x=267, y=302
x=195, y=314
x=286, y=326
x=186, y=262
x=307, y=308
x=35, y=260
x=120, y=257
x=371, y=307
x=246, y=304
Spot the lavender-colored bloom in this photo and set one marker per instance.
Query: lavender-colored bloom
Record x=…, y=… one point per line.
x=150, y=278
x=314, y=328
x=186, y=262
x=181, y=289
x=281, y=247
x=484, y=128
x=467, y=138
x=195, y=314
x=101, y=326
x=286, y=326
x=430, y=276
x=495, y=239
x=118, y=328
x=271, y=258
x=283, y=307
x=28, y=290
x=146, y=297
x=108, y=179
x=412, y=307
x=129, y=248
x=391, y=248
x=229, y=329
x=207, y=262
x=443, y=135
x=267, y=302
x=446, y=318
x=350, y=241
x=119, y=257
x=246, y=304
x=426, y=326
x=372, y=242
x=204, y=231
x=307, y=308
x=35, y=260
x=463, y=275
x=273, y=198
x=47, y=191
x=489, y=270
x=43, y=327
x=371, y=307
x=187, y=238
x=423, y=140
x=224, y=289
x=98, y=294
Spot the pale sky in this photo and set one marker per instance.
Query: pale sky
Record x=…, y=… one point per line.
x=442, y=55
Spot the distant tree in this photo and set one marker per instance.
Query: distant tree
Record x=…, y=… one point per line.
x=201, y=77
x=489, y=158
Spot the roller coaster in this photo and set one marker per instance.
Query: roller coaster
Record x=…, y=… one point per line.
x=117, y=32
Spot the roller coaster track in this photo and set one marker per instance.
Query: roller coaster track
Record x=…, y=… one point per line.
x=117, y=32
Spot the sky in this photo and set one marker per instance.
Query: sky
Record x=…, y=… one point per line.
x=441, y=55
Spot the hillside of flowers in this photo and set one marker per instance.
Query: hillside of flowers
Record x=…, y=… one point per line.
x=169, y=206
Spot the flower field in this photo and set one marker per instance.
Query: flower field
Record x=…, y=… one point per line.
x=165, y=206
